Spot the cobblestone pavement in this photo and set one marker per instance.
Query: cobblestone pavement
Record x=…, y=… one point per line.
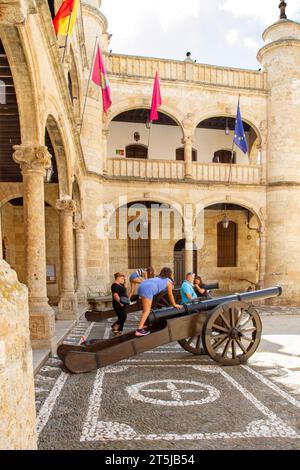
x=169, y=399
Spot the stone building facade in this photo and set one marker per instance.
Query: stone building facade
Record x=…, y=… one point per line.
x=64, y=178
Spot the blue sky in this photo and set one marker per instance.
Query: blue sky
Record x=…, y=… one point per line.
x=219, y=32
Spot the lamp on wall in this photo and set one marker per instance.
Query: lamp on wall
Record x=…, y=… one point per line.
x=227, y=129
x=49, y=174
x=137, y=136
x=225, y=221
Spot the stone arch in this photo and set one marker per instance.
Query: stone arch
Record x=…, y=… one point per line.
x=154, y=196
x=62, y=160
x=18, y=55
x=246, y=118
x=7, y=193
x=140, y=103
x=250, y=206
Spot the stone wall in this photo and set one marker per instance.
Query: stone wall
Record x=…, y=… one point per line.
x=17, y=408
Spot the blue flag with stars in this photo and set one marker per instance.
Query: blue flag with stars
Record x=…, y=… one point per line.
x=239, y=133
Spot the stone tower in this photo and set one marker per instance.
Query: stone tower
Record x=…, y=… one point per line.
x=280, y=58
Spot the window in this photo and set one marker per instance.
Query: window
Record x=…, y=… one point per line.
x=139, y=252
x=137, y=151
x=51, y=8
x=180, y=155
x=227, y=246
x=224, y=156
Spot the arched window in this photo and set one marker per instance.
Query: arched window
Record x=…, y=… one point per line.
x=224, y=156
x=137, y=151
x=180, y=155
x=227, y=246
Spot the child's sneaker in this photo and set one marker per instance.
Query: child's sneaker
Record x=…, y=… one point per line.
x=142, y=332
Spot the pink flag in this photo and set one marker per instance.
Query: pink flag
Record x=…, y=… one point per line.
x=99, y=76
x=156, y=100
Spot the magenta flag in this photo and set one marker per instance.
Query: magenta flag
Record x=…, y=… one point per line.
x=156, y=100
x=99, y=76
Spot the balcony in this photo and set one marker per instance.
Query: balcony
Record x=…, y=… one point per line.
x=144, y=67
x=174, y=171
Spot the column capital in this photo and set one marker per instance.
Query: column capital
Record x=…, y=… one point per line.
x=188, y=139
x=66, y=205
x=32, y=158
x=79, y=226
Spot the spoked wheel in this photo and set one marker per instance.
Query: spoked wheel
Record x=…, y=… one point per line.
x=232, y=333
x=193, y=345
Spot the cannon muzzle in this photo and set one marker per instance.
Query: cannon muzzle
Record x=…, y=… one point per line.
x=207, y=305
x=213, y=286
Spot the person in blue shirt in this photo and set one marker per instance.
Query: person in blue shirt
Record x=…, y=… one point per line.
x=148, y=289
x=187, y=291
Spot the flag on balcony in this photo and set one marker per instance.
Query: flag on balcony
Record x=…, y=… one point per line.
x=239, y=133
x=100, y=78
x=156, y=100
x=65, y=18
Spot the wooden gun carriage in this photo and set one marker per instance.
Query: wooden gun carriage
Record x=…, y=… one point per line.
x=160, y=301
x=228, y=329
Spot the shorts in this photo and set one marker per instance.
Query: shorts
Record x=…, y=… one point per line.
x=147, y=290
x=133, y=277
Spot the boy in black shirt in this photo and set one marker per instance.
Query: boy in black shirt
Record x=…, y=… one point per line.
x=119, y=293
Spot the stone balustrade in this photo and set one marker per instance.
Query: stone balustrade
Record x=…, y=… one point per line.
x=174, y=170
x=125, y=65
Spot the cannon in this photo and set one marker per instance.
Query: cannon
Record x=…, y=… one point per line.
x=159, y=301
x=228, y=329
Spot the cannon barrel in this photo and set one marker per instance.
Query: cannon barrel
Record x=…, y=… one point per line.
x=213, y=286
x=206, y=305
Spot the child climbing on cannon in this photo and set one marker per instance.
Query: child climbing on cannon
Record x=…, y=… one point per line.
x=137, y=277
x=148, y=289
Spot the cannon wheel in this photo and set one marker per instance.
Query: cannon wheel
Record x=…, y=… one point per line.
x=193, y=345
x=232, y=333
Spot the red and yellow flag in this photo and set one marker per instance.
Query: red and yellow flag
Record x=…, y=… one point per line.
x=65, y=18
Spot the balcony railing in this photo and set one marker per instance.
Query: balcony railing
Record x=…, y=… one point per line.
x=145, y=67
x=173, y=170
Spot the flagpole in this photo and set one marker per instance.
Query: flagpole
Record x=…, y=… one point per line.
x=88, y=84
x=232, y=150
x=149, y=136
x=66, y=42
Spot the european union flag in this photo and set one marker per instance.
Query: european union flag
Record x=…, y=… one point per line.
x=239, y=133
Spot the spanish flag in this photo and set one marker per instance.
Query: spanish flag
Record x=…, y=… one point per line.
x=65, y=18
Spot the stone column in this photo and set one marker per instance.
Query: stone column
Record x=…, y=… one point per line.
x=188, y=157
x=34, y=161
x=188, y=125
x=79, y=228
x=67, y=307
x=189, y=238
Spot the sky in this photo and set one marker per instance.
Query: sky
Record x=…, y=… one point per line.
x=217, y=32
